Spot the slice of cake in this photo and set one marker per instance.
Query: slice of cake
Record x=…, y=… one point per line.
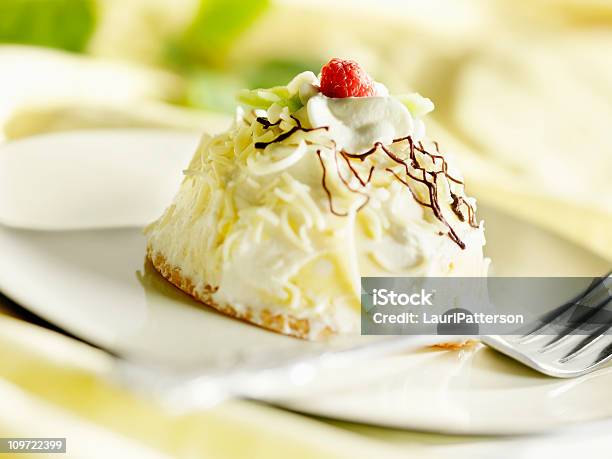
x=316, y=184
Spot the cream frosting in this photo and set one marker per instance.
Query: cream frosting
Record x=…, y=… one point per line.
x=281, y=213
x=357, y=123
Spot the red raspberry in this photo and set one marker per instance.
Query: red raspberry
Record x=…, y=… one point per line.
x=345, y=78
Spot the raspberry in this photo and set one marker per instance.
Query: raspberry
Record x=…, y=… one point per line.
x=345, y=78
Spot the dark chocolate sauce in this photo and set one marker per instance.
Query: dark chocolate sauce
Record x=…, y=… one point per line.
x=458, y=201
x=284, y=135
x=265, y=122
x=324, y=185
x=355, y=172
x=361, y=156
x=348, y=185
x=429, y=178
x=432, y=187
x=280, y=138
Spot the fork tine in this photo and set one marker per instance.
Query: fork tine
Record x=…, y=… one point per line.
x=553, y=315
x=567, y=355
x=583, y=345
x=604, y=355
x=584, y=318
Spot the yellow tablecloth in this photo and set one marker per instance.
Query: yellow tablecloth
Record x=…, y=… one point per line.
x=53, y=386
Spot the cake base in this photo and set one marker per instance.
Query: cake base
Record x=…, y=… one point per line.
x=285, y=324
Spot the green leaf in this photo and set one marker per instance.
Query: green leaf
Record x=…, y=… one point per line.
x=256, y=98
x=264, y=98
x=64, y=24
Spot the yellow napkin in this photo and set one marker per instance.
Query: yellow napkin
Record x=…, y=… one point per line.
x=531, y=114
x=55, y=387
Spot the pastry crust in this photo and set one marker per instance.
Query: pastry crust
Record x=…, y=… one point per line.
x=280, y=323
x=455, y=346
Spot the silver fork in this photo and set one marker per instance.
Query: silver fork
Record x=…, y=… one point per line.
x=582, y=342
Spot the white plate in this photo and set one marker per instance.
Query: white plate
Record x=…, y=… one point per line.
x=91, y=179
x=73, y=207
x=94, y=283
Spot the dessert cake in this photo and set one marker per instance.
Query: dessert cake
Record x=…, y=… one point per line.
x=316, y=184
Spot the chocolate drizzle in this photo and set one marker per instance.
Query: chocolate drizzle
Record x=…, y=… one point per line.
x=432, y=188
x=428, y=178
x=324, y=185
x=421, y=149
x=456, y=207
x=298, y=127
x=265, y=122
x=348, y=186
x=354, y=171
x=459, y=206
